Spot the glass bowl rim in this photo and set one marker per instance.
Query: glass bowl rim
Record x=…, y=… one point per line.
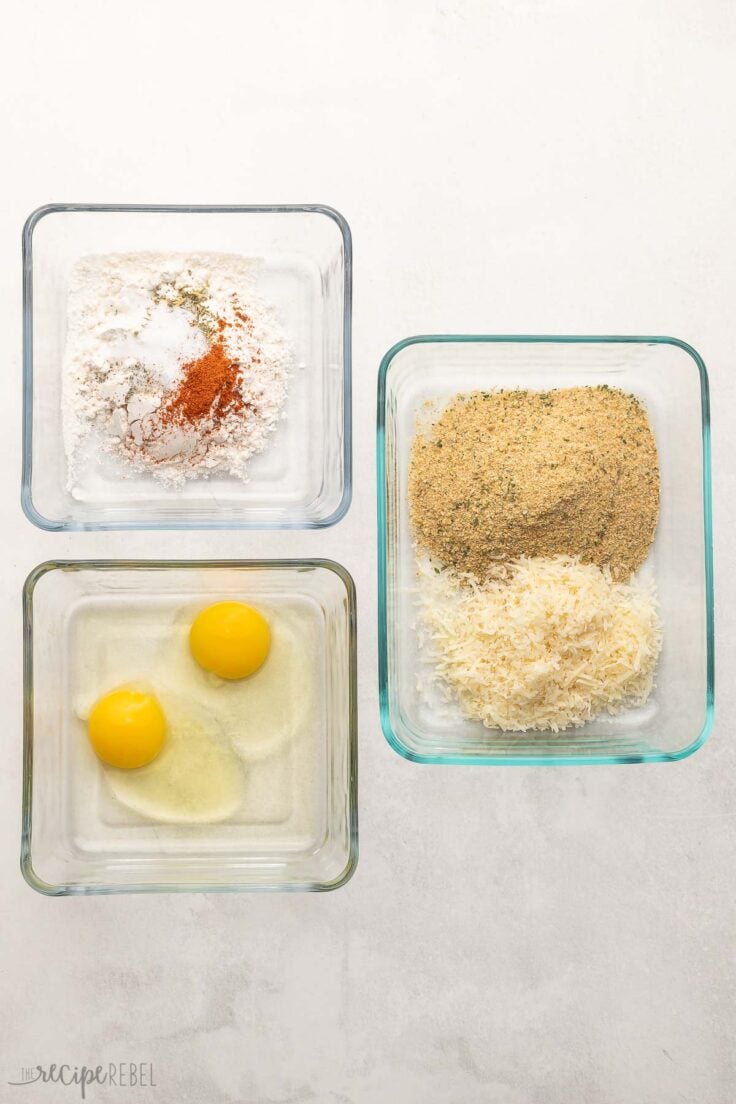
x=106, y=889
x=26, y=495
x=381, y=505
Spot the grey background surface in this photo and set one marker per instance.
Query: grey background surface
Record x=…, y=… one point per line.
x=511, y=936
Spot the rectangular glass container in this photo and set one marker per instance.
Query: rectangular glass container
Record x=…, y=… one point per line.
x=303, y=477
x=299, y=831
x=670, y=378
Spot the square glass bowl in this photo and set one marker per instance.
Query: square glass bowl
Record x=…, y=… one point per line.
x=670, y=378
x=303, y=477
x=296, y=827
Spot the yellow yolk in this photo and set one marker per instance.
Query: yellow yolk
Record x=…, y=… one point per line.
x=127, y=728
x=230, y=639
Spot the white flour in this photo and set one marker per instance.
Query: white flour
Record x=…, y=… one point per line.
x=135, y=322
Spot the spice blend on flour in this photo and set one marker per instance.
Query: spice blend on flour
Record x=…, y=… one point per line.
x=209, y=386
x=503, y=474
x=174, y=365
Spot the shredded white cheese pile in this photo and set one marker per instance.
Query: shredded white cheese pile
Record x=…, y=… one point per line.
x=550, y=647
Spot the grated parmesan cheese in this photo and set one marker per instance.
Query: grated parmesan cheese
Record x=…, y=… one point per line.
x=550, y=646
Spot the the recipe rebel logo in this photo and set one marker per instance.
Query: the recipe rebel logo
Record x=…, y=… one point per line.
x=121, y=1075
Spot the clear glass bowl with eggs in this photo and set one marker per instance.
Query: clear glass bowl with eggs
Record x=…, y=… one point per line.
x=254, y=784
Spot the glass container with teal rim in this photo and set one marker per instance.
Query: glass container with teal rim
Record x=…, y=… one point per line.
x=671, y=380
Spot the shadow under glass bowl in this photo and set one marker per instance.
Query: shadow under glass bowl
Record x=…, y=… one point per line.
x=671, y=380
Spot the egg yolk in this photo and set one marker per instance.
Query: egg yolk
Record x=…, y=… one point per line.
x=230, y=639
x=127, y=728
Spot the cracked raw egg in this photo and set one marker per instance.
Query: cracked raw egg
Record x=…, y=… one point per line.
x=230, y=639
x=127, y=728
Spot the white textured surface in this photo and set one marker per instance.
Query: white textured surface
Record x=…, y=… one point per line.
x=510, y=936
